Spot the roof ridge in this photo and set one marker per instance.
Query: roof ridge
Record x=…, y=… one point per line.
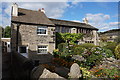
x=70, y=21
x=29, y=9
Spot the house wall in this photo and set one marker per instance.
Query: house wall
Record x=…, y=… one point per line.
x=92, y=39
x=28, y=36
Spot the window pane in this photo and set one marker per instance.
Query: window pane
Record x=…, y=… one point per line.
x=22, y=49
x=42, y=49
x=41, y=30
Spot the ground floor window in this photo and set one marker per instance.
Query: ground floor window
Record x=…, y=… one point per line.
x=22, y=49
x=42, y=49
x=89, y=41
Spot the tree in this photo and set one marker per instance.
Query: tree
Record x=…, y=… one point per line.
x=7, y=32
x=1, y=31
x=71, y=37
x=117, y=51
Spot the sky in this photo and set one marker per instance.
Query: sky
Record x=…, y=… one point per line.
x=102, y=15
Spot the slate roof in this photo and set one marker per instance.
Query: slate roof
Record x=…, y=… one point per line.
x=30, y=16
x=38, y=17
x=71, y=23
x=111, y=31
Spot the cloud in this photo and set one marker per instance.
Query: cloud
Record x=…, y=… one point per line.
x=5, y=14
x=76, y=20
x=100, y=21
x=97, y=18
x=114, y=23
x=104, y=28
x=52, y=9
x=59, y=0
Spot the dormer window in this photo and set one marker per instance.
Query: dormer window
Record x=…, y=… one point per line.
x=42, y=30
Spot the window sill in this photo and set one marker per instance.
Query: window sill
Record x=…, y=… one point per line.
x=41, y=53
x=42, y=34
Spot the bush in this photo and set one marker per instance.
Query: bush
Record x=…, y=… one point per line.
x=111, y=46
x=77, y=50
x=63, y=49
x=104, y=72
x=56, y=53
x=87, y=45
x=94, y=57
x=86, y=73
x=108, y=53
x=117, y=51
x=59, y=39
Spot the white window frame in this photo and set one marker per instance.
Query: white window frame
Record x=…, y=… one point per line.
x=42, y=48
x=42, y=27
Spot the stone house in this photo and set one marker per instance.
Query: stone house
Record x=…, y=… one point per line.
x=33, y=33
x=5, y=45
x=111, y=35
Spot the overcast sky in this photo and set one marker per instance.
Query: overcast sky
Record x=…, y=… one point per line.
x=102, y=15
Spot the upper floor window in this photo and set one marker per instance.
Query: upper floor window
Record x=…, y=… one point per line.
x=42, y=30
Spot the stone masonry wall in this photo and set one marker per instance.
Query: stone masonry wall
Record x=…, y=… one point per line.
x=28, y=37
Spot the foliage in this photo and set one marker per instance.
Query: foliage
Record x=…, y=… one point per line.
x=77, y=50
x=117, y=51
x=1, y=31
x=63, y=49
x=87, y=45
x=71, y=37
x=56, y=53
x=7, y=32
x=93, y=57
x=108, y=53
x=59, y=39
x=111, y=46
x=85, y=73
x=106, y=72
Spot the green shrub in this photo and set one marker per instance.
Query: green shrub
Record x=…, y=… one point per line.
x=111, y=46
x=95, y=55
x=108, y=53
x=87, y=45
x=63, y=49
x=77, y=50
x=59, y=39
x=56, y=53
x=117, y=51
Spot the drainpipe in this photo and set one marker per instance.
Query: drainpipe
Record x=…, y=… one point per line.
x=17, y=36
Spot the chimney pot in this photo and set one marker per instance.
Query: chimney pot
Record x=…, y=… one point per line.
x=43, y=10
x=39, y=9
x=85, y=20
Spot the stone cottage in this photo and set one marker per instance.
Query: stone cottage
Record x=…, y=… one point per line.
x=111, y=35
x=33, y=33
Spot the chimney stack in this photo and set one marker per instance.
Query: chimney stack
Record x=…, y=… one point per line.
x=42, y=10
x=14, y=9
x=85, y=20
x=39, y=9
